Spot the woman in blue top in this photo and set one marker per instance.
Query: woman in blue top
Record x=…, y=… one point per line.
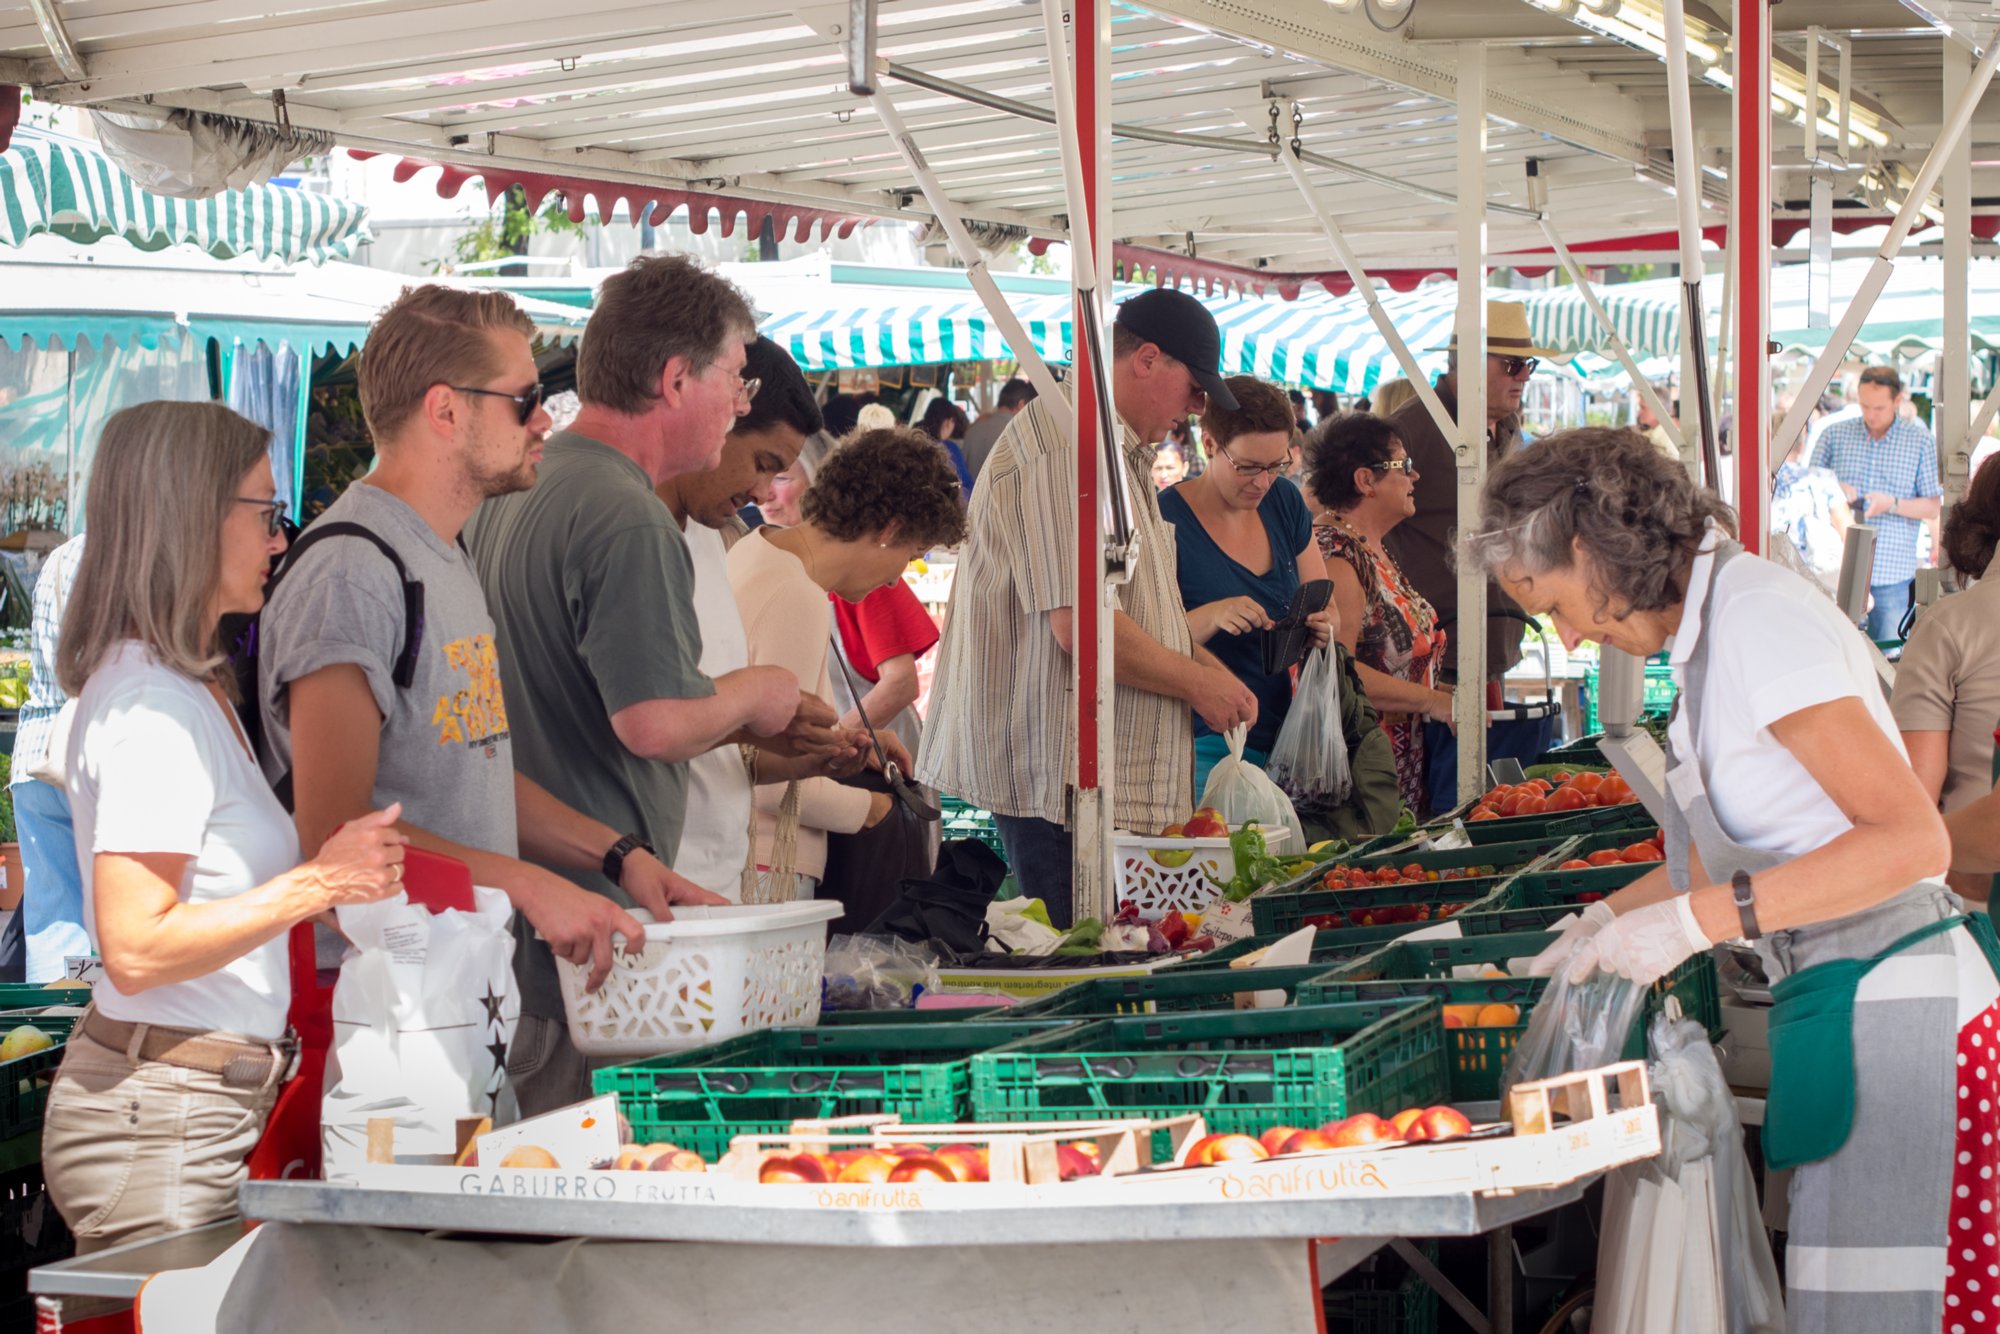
x=1246, y=544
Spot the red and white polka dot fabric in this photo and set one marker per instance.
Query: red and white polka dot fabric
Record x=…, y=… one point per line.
x=1972, y=1260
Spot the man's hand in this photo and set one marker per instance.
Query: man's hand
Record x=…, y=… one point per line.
x=579, y=924
x=656, y=887
x=1879, y=503
x=1222, y=701
x=1851, y=494
x=812, y=731
x=774, y=698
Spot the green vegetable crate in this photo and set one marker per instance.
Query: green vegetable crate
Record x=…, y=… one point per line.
x=965, y=821
x=1478, y=1056
x=1274, y=913
x=1328, y=947
x=1559, y=824
x=881, y=1018
x=1570, y=890
x=1170, y=991
x=1605, y=840
x=1500, y=857
x=1245, y=1071
x=28, y=996
x=25, y=1080
x=760, y=1083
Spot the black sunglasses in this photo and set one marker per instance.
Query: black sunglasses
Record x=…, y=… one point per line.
x=274, y=512
x=526, y=402
x=1516, y=366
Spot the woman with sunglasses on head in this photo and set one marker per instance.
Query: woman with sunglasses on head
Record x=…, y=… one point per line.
x=1366, y=483
x=1245, y=546
x=191, y=875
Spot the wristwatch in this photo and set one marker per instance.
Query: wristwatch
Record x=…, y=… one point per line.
x=614, y=860
x=1746, y=905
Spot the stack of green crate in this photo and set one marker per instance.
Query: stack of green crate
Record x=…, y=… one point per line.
x=962, y=820
x=1169, y=991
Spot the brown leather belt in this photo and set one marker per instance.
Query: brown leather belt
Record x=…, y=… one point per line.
x=239, y=1061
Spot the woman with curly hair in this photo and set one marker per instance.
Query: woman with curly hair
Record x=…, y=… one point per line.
x=1794, y=822
x=878, y=502
x=1365, y=484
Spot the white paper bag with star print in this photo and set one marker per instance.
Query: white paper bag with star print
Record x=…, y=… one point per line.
x=422, y=1015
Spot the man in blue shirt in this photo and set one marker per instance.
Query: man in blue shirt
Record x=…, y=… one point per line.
x=1887, y=466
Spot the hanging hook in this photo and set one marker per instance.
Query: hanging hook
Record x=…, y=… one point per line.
x=1298, y=122
x=280, y=110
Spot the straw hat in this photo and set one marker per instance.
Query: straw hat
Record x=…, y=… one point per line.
x=1507, y=333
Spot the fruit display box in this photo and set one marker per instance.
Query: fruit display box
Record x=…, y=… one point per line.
x=1168, y=874
x=1244, y=1071
x=1427, y=968
x=1602, y=843
x=1574, y=888
x=1408, y=904
x=25, y=1080
x=763, y=1082
x=1562, y=825
x=1171, y=991
x=1497, y=858
x=1032, y=983
x=1328, y=947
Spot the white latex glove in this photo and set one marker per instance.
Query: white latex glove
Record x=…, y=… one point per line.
x=1645, y=944
x=1596, y=916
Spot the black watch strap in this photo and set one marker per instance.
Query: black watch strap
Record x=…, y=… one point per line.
x=614, y=860
x=1746, y=905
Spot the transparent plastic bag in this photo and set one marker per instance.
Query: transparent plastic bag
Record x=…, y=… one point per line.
x=1309, y=759
x=1575, y=1026
x=1240, y=791
x=876, y=973
x=1683, y=1247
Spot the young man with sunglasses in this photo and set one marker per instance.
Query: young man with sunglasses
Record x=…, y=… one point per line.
x=357, y=715
x=1422, y=544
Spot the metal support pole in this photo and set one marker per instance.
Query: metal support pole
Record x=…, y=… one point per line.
x=1986, y=411
x=1364, y=287
x=1750, y=199
x=968, y=254
x=1469, y=702
x=1958, y=118
x=1952, y=406
x=1687, y=196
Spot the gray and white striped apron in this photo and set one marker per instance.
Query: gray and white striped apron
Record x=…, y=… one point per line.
x=1897, y=1230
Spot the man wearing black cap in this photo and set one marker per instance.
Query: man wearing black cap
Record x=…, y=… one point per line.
x=1002, y=727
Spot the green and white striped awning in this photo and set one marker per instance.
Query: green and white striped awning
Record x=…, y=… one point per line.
x=49, y=183
x=1319, y=341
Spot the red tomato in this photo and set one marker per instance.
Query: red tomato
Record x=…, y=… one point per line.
x=1643, y=852
x=1605, y=857
x=1532, y=806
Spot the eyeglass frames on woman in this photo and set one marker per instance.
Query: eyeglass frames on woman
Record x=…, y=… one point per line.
x=274, y=512
x=1516, y=367
x=526, y=402
x=1405, y=466
x=1252, y=471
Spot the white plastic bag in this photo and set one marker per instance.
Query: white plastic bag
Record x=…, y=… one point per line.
x=1240, y=791
x=422, y=1015
x=1309, y=759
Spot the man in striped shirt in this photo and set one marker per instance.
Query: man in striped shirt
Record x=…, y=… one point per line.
x=1887, y=466
x=1002, y=728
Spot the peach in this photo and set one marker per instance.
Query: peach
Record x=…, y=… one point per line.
x=679, y=1160
x=1274, y=1139
x=1441, y=1123
x=1366, y=1128
x=871, y=1168
x=529, y=1155
x=966, y=1162
x=922, y=1167
x=1072, y=1162
x=1309, y=1141
x=1403, y=1120
x=791, y=1169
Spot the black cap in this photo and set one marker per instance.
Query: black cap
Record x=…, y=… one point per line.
x=1183, y=329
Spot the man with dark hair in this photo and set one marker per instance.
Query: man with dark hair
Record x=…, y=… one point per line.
x=1887, y=466
x=590, y=581
x=979, y=439
x=765, y=442
x=1002, y=726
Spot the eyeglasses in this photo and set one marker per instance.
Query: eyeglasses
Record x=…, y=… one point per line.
x=746, y=391
x=526, y=402
x=1253, y=471
x=274, y=513
x=1405, y=466
x=1516, y=367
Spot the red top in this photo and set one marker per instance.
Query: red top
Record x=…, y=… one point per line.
x=886, y=624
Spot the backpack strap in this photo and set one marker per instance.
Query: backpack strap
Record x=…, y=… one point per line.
x=404, y=673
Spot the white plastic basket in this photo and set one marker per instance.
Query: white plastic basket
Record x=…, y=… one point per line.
x=1159, y=889
x=709, y=974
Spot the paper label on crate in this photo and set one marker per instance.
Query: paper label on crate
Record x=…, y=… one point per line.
x=1226, y=922
x=83, y=967
x=577, y=1136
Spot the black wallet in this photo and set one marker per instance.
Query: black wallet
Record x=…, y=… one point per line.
x=1285, y=642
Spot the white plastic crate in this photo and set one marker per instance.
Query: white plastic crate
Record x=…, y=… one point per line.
x=710, y=974
x=1159, y=889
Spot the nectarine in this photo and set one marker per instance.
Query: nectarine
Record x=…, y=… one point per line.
x=1274, y=1139
x=1366, y=1128
x=1440, y=1123
x=869, y=1167
x=967, y=1162
x=792, y=1169
x=529, y=1155
x=922, y=1167
x=1402, y=1120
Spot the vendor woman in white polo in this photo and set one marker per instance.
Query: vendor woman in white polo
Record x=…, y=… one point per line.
x=1795, y=824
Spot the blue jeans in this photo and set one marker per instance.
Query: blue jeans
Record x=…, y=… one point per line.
x=1211, y=750
x=52, y=907
x=1885, y=618
x=1042, y=854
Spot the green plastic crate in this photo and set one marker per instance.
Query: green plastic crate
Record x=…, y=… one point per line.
x=1383, y=1296
x=1657, y=699
x=882, y=1018
x=760, y=1083
x=28, y=996
x=1479, y=1055
x=1274, y=913
x=1559, y=825
x=1537, y=889
x=1169, y=991
x=1244, y=1071
x=1328, y=947
x=1502, y=857
x=964, y=820
x=25, y=1080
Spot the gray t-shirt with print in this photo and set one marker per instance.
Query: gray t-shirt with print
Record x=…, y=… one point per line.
x=445, y=752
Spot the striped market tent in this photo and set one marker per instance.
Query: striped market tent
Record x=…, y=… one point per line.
x=50, y=183
x=1319, y=341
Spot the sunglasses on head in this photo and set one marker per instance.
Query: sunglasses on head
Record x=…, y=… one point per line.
x=525, y=402
x=274, y=512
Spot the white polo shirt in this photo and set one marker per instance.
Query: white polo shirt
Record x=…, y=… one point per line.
x=716, y=841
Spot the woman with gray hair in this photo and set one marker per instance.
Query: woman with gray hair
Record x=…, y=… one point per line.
x=1793, y=822
x=191, y=875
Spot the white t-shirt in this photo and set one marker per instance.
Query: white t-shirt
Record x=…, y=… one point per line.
x=156, y=767
x=1780, y=646
x=716, y=841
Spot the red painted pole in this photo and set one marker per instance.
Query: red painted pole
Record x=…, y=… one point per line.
x=1750, y=190
x=1089, y=448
